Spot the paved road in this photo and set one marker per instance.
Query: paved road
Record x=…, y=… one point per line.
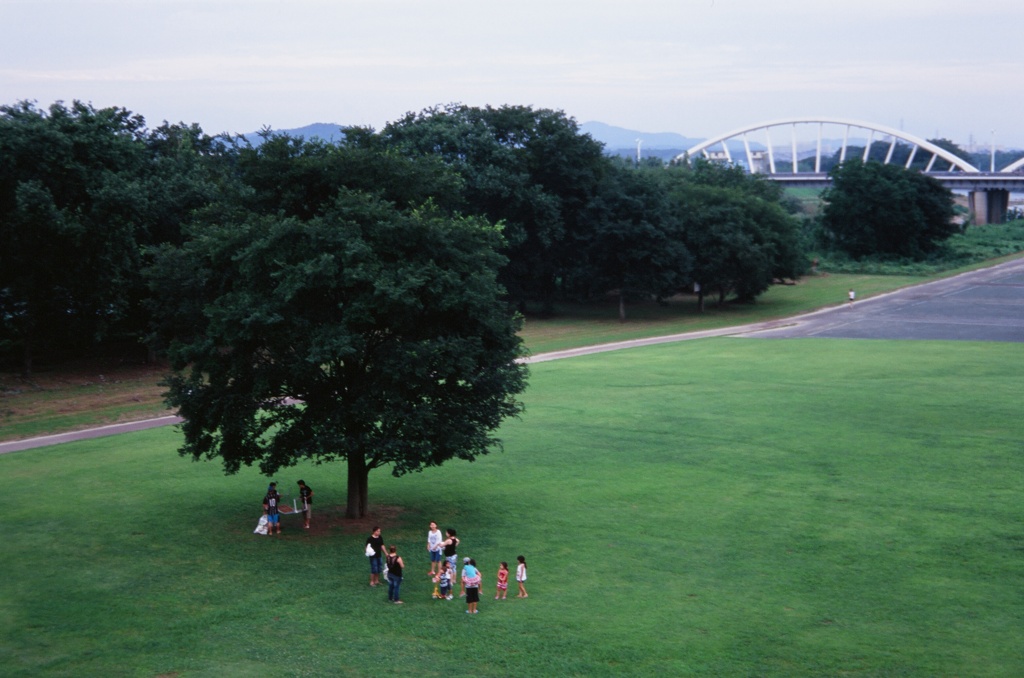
x=985, y=305
x=98, y=432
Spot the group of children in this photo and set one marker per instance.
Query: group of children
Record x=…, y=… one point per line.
x=446, y=575
x=443, y=558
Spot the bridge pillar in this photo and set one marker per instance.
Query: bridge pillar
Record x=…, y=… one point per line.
x=989, y=206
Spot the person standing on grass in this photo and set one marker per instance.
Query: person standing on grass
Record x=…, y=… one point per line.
x=434, y=539
x=375, y=542
x=521, y=577
x=270, y=502
x=444, y=579
x=502, y=589
x=306, y=494
x=471, y=579
x=395, y=566
x=449, y=548
x=462, y=580
x=850, y=297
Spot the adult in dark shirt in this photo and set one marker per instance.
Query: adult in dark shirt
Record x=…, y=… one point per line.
x=376, y=542
x=395, y=566
x=270, y=502
x=449, y=548
x=306, y=495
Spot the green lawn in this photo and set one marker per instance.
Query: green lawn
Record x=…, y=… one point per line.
x=713, y=508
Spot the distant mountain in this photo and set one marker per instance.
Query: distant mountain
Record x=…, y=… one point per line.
x=615, y=138
x=328, y=131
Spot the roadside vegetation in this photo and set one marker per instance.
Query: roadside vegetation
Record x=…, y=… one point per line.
x=961, y=251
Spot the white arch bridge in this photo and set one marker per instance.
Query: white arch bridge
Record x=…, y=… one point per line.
x=798, y=159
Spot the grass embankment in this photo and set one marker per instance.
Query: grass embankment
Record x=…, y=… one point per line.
x=82, y=395
x=710, y=508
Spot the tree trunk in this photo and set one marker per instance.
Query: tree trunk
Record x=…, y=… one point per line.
x=700, y=300
x=358, y=487
x=622, y=307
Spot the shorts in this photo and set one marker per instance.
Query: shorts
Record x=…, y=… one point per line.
x=472, y=594
x=436, y=556
x=445, y=590
x=272, y=519
x=375, y=565
x=451, y=561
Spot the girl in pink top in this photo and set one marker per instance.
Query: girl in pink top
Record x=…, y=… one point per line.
x=502, y=581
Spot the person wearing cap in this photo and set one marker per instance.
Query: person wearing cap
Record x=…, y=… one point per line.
x=306, y=494
x=471, y=579
x=270, y=509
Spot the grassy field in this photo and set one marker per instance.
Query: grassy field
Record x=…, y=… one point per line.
x=718, y=507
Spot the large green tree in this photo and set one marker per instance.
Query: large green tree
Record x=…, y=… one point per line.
x=872, y=209
x=365, y=333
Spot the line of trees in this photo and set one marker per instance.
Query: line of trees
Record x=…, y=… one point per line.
x=89, y=198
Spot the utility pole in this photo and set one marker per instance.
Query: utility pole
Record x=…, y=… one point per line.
x=992, y=163
x=638, y=142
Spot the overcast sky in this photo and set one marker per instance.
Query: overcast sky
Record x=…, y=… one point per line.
x=948, y=68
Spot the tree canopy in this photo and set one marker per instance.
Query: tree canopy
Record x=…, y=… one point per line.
x=873, y=209
x=530, y=169
x=741, y=237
